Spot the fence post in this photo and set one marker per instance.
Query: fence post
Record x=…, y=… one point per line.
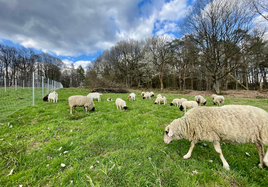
x=47, y=85
x=15, y=84
x=5, y=84
x=42, y=86
x=33, y=88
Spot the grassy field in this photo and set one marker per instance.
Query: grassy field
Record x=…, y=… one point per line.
x=109, y=147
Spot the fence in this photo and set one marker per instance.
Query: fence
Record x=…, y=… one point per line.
x=15, y=94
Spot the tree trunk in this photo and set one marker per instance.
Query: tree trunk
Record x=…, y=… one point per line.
x=161, y=81
x=217, y=86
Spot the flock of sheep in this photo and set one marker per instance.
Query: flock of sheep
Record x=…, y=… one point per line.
x=230, y=123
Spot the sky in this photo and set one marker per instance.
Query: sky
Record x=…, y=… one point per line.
x=77, y=31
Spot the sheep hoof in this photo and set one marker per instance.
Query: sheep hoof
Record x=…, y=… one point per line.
x=260, y=165
x=227, y=167
x=186, y=156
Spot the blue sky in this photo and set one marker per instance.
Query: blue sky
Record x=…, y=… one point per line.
x=78, y=31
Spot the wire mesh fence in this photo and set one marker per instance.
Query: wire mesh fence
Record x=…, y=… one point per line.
x=15, y=94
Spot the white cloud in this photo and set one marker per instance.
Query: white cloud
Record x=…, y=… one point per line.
x=83, y=63
x=173, y=11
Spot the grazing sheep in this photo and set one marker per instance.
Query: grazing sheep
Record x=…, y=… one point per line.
x=188, y=104
x=95, y=96
x=213, y=96
x=120, y=103
x=131, y=96
x=161, y=99
x=200, y=100
x=45, y=98
x=218, y=100
x=230, y=123
x=81, y=101
x=53, y=96
x=142, y=94
x=147, y=95
x=152, y=94
x=175, y=102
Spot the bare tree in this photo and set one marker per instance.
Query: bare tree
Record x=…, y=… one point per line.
x=218, y=27
x=260, y=7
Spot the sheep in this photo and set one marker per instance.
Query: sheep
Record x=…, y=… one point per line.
x=200, y=100
x=80, y=101
x=45, y=98
x=147, y=95
x=230, y=123
x=95, y=96
x=152, y=94
x=120, y=103
x=175, y=102
x=161, y=99
x=213, y=96
x=131, y=96
x=218, y=100
x=188, y=104
x=142, y=94
x=53, y=96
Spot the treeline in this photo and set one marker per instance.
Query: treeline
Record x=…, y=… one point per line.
x=224, y=51
x=19, y=63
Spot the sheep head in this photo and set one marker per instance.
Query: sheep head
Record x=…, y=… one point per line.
x=168, y=135
x=171, y=104
x=181, y=107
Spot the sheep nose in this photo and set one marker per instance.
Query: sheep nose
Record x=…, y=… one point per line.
x=93, y=109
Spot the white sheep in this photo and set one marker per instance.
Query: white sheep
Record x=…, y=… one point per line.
x=218, y=100
x=188, y=104
x=80, y=101
x=152, y=94
x=95, y=96
x=120, y=103
x=200, y=100
x=230, y=123
x=131, y=96
x=175, y=102
x=213, y=96
x=147, y=95
x=53, y=96
x=161, y=99
x=142, y=94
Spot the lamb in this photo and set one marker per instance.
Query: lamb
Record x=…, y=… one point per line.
x=175, y=102
x=147, y=95
x=161, y=99
x=81, y=101
x=131, y=96
x=213, y=96
x=53, y=96
x=95, y=96
x=188, y=104
x=235, y=124
x=142, y=94
x=120, y=103
x=200, y=100
x=159, y=95
x=218, y=100
x=152, y=94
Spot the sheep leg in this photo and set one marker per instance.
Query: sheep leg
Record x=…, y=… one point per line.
x=217, y=147
x=261, y=153
x=75, y=109
x=188, y=155
x=265, y=159
x=71, y=108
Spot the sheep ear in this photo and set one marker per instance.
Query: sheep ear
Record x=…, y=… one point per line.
x=170, y=133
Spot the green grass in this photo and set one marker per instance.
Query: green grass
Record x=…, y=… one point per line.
x=109, y=147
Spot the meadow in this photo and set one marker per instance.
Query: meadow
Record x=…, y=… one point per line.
x=44, y=145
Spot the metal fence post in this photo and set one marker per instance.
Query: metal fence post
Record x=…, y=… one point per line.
x=33, y=88
x=42, y=86
x=5, y=84
x=47, y=85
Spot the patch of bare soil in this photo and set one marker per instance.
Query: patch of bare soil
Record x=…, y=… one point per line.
x=236, y=93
